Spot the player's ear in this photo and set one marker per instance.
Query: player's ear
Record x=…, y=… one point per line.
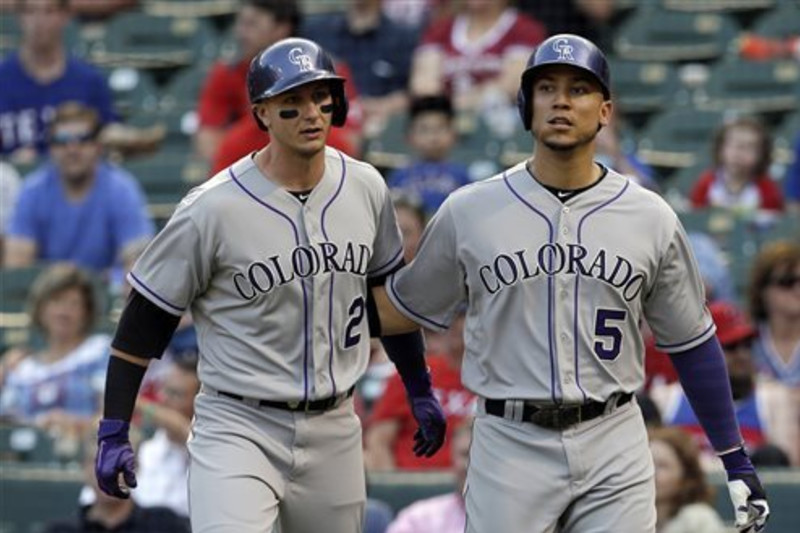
x=260, y=115
x=606, y=110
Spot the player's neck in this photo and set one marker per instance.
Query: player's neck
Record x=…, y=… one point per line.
x=295, y=172
x=569, y=170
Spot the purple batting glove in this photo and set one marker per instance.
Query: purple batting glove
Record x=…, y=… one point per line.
x=114, y=456
x=429, y=415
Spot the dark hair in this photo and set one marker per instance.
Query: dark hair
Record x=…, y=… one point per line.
x=73, y=111
x=284, y=11
x=55, y=280
x=778, y=255
x=62, y=4
x=754, y=124
x=695, y=487
x=431, y=104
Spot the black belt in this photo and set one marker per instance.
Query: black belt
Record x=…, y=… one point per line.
x=300, y=405
x=561, y=416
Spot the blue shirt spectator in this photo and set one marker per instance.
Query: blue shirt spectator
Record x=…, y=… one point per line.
x=27, y=105
x=431, y=134
x=429, y=181
x=93, y=232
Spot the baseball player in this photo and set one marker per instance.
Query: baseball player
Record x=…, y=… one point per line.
x=274, y=257
x=559, y=259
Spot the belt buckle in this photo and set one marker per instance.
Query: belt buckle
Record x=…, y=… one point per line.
x=293, y=405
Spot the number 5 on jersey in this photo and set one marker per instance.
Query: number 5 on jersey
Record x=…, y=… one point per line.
x=610, y=343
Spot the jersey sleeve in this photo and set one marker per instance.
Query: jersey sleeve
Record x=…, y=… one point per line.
x=675, y=307
x=432, y=287
x=176, y=265
x=387, y=250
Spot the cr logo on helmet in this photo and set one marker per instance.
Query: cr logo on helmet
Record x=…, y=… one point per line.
x=563, y=49
x=301, y=59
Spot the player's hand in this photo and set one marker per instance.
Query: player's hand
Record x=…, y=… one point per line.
x=749, y=499
x=429, y=415
x=114, y=457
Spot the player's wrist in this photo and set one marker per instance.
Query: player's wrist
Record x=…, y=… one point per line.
x=736, y=460
x=112, y=428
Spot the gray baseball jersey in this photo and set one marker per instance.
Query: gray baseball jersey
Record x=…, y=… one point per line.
x=556, y=291
x=276, y=287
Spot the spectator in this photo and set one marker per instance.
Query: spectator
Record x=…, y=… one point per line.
x=432, y=135
x=587, y=18
x=614, y=152
x=683, y=496
x=79, y=207
x=765, y=410
x=415, y=14
x=792, y=180
x=774, y=295
x=445, y=513
x=163, y=459
x=109, y=514
x=227, y=131
x=377, y=50
x=59, y=387
x=476, y=56
x=41, y=75
x=739, y=179
x=10, y=184
x=411, y=220
x=223, y=99
x=390, y=431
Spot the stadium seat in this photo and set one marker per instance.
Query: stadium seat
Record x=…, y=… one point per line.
x=718, y=5
x=683, y=179
x=134, y=90
x=26, y=444
x=14, y=286
x=148, y=41
x=656, y=34
x=643, y=86
x=752, y=86
x=781, y=22
x=678, y=137
x=785, y=138
x=190, y=8
x=183, y=90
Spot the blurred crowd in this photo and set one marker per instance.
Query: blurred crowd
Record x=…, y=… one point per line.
x=72, y=213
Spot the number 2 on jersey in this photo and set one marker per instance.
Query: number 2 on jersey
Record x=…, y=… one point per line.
x=602, y=328
x=356, y=314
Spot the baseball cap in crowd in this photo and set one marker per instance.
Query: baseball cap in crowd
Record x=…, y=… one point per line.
x=733, y=326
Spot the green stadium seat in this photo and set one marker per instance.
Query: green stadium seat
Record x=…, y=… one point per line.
x=183, y=90
x=15, y=283
x=784, y=139
x=190, y=8
x=781, y=22
x=678, y=137
x=752, y=87
x=718, y=5
x=657, y=34
x=683, y=179
x=134, y=90
x=147, y=41
x=26, y=444
x=643, y=86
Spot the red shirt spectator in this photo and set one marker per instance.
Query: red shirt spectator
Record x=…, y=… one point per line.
x=712, y=191
x=468, y=61
x=223, y=99
x=456, y=401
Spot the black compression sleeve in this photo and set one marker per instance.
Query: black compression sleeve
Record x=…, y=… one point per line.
x=144, y=330
x=373, y=318
x=407, y=352
x=123, y=379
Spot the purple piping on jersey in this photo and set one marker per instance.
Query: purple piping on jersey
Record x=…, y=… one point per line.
x=330, y=292
x=156, y=296
x=667, y=346
x=549, y=290
x=305, y=296
x=388, y=266
x=410, y=311
x=577, y=286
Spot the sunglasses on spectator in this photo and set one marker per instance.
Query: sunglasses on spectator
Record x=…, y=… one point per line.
x=62, y=138
x=786, y=282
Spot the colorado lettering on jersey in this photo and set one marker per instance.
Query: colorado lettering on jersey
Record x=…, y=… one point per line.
x=551, y=259
x=260, y=277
